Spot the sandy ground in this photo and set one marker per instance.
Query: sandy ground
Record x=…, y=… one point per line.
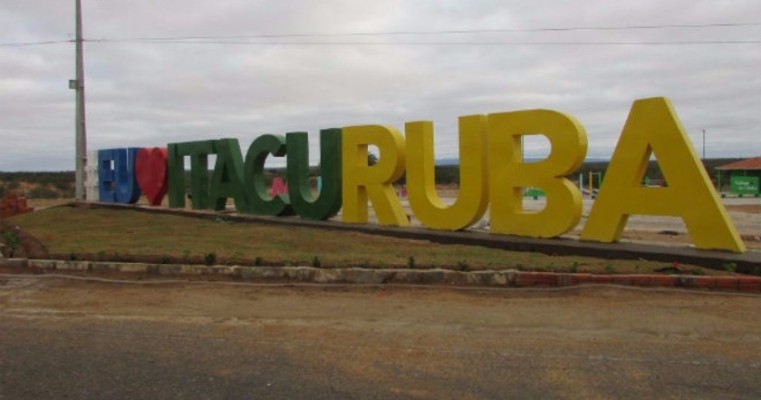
x=366, y=342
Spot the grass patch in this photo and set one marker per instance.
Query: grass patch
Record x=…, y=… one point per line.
x=107, y=232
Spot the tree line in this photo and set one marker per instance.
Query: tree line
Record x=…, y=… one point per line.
x=51, y=185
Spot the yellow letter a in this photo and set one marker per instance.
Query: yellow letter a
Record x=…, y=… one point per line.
x=653, y=127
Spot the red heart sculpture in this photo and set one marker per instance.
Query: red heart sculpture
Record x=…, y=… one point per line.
x=150, y=171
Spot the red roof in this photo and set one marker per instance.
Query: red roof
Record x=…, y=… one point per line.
x=751, y=164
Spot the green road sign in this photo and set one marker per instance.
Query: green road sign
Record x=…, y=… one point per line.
x=744, y=185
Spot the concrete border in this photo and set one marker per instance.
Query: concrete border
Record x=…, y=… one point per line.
x=363, y=276
x=745, y=263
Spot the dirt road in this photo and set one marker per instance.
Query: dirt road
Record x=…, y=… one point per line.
x=64, y=338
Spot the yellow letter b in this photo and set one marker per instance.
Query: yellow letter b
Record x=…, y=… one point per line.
x=509, y=175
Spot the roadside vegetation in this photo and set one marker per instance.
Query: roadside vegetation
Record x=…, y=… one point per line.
x=38, y=185
x=69, y=232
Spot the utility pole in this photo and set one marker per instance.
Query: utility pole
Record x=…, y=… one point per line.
x=79, y=85
x=704, y=145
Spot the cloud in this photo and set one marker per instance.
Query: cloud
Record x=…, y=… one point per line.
x=148, y=94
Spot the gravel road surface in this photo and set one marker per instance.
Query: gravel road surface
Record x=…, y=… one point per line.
x=62, y=338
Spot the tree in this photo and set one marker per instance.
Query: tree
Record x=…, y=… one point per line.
x=372, y=159
x=42, y=192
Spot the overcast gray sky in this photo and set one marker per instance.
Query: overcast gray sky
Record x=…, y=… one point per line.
x=243, y=75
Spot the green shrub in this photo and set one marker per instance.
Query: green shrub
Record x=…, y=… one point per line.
x=42, y=192
x=574, y=267
x=729, y=267
x=12, y=241
x=210, y=258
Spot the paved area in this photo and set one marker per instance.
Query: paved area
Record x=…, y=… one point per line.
x=83, y=339
x=745, y=213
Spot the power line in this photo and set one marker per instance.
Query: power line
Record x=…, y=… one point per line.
x=43, y=43
x=440, y=32
x=492, y=43
x=389, y=43
x=246, y=39
x=249, y=39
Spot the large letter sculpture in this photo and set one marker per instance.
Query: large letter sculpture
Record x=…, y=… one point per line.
x=116, y=176
x=151, y=174
x=653, y=128
x=199, y=173
x=227, y=181
x=473, y=198
x=259, y=199
x=328, y=200
x=509, y=175
x=362, y=181
x=106, y=175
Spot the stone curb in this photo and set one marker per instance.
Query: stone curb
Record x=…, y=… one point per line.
x=362, y=276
